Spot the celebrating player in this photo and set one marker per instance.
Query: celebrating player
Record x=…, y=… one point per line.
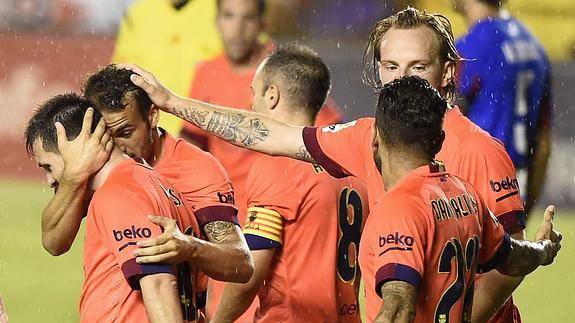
x=431, y=231
x=296, y=209
x=410, y=42
x=132, y=122
x=506, y=81
x=225, y=80
x=126, y=190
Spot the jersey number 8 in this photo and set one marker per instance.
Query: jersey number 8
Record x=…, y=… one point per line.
x=350, y=226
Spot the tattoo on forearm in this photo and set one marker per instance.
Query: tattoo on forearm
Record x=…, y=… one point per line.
x=399, y=300
x=235, y=127
x=219, y=231
x=192, y=115
x=304, y=155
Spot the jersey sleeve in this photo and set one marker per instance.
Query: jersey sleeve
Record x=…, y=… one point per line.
x=342, y=149
x=121, y=218
x=205, y=184
x=329, y=114
x=272, y=199
x=400, y=242
x=495, y=243
x=490, y=169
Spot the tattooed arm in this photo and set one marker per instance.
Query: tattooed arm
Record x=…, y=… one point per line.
x=399, y=299
x=224, y=257
x=241, y=128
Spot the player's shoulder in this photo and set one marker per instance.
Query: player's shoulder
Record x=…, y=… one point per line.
x=361, y=124
x=194, y=157
x=272, y=168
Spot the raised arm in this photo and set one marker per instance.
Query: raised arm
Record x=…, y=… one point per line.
x=225, y=257
x=241, y=128
x=82, y=156
x=160, y=295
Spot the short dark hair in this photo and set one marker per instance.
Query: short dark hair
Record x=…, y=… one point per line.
x=410, y=18
x=68, y=109
x=409, y=115
x=261, y=5
x=111, y=90
x=301, y=73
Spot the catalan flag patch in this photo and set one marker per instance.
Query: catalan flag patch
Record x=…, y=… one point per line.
x=263, y=223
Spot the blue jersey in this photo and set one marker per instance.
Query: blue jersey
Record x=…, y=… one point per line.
x=506, y=81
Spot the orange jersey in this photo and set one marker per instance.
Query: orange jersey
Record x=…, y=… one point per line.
x=117, y=219
x=315, y=222
x=468, y=152
x=472, y=154
x=200, y=178
x=431, y=230
x=216, y=82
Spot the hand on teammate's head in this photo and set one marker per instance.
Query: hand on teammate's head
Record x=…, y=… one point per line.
x=87, y=153
x=157, y=92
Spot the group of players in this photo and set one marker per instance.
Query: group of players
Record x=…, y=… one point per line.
x=429, y=231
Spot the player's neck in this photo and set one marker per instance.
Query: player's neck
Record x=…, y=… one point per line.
x=478, y=11
x=158, y=147
x=398, y=166
x=296, y=119
x=101, y=176
x=252, y=62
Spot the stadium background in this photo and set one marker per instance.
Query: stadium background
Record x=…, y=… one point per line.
x=49, y=46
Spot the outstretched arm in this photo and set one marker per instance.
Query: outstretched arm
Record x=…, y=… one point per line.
x=225, y=257
x=241, y=128
x=82, y=156
x=525, y=256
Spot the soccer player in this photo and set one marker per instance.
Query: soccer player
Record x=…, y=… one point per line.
x=125, y=191
x=226, y=79
x=506, y=81
x=411, y=42
x=303, y=225
x=431, y=231
x=132, y=122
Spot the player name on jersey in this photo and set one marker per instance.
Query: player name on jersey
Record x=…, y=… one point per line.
x=459, y=206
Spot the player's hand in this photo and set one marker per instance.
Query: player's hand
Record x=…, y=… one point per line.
x=86, y=154
x=172, y=246
x=550, y=238
x=157, y=92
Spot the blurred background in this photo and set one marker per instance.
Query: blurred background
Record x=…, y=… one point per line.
x=49, y=46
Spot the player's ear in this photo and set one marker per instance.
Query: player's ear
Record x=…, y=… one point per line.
x=374, y=141
x=272, y=96
x=154, y=116
x=448, y=73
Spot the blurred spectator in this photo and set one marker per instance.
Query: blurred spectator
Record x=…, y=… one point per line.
x=168, y=37
x=505, y=82
x=226, y=80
